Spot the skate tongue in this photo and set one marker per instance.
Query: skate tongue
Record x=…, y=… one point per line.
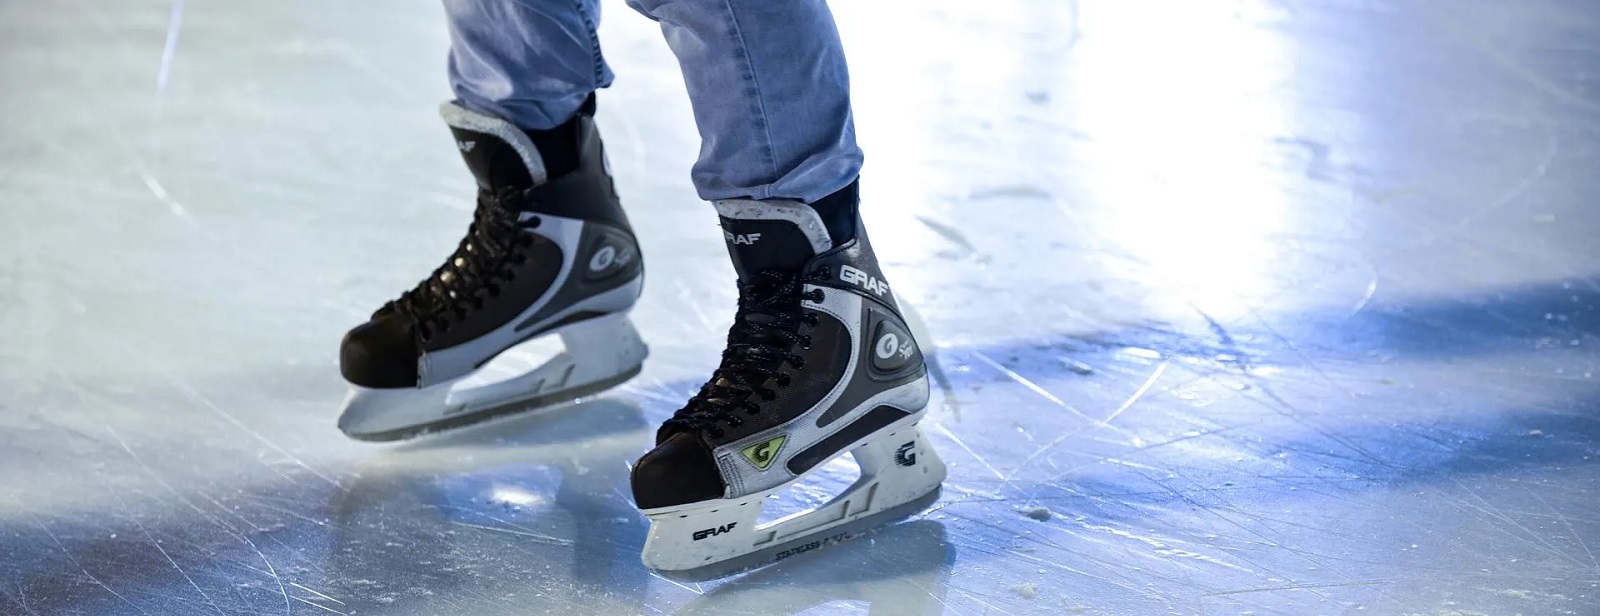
x=499, y=154
x=771, y=235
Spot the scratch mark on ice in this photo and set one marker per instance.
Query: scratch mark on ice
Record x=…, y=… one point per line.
x=267, y=504
x=170, y=49
x=999, y=475
x=688, y=297
x=1576, y=536
x=1311, y=586
x=174, y=563
x=1155, y=375
x=1035, y=388
x=991, y=608
x=195, y=395
x=1372, y=289
x=318, y=605
x=523, y=533
x=316, y=593
x=676, y=583
x=271, y=571
x=949, y=233
x=85, y=570
x=1494, y=512
x=22, y=602
x=1145, y=448
x=946, y=390
x=161, y=193
x=653, y=389
x=1515, y=68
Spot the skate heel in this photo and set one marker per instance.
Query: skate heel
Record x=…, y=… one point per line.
x=597, y=354
x=900, y=476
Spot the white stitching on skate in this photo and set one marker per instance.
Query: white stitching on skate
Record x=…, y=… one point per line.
x=455, y=361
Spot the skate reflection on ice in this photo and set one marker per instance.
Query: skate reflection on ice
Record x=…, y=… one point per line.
x=515, y=508
x=901, y=570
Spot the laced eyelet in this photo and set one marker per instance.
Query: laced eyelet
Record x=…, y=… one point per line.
x=784, y=380
x=715, y=433
x=811, y=319
x=816, y=295
x=769, y=395
x=805, y=343
x=735, y=422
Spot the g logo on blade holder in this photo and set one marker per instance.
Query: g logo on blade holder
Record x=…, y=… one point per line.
x=904, y=456
x=762, y=454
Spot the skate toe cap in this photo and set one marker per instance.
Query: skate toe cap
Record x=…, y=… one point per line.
x=380, y=353
x=679, y=471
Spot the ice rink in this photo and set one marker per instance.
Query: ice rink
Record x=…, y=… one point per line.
x=1239, y=307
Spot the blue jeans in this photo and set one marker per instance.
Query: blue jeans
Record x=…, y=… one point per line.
x=766, y=78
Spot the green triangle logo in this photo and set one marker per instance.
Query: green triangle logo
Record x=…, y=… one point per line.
x=762, y=454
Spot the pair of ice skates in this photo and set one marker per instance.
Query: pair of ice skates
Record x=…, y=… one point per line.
x=819, y=362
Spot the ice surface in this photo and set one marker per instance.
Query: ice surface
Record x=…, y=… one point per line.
x=1263, y=302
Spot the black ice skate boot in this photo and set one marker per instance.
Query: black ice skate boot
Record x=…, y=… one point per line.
x=819, y=362
x=543, y=256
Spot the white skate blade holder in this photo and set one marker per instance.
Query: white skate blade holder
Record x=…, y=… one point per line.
x=599, y=354
x=900, y=476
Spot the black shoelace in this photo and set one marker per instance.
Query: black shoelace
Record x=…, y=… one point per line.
x=480, y=264
x=766, y=328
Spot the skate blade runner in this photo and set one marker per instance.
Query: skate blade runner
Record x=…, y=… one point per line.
x=819, y=361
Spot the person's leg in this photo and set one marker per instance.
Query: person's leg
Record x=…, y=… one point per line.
x=549, y=251
x=820, y=360
x=530, y=62
x=771, y=96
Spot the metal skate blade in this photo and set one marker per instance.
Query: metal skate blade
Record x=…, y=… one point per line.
x=391, y=415
x=802, y=545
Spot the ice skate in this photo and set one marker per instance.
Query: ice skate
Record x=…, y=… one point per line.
x=819, y=363
x=544, y=256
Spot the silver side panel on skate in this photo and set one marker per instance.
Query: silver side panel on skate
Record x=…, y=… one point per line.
x=454, y=362
x=1283, y=307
